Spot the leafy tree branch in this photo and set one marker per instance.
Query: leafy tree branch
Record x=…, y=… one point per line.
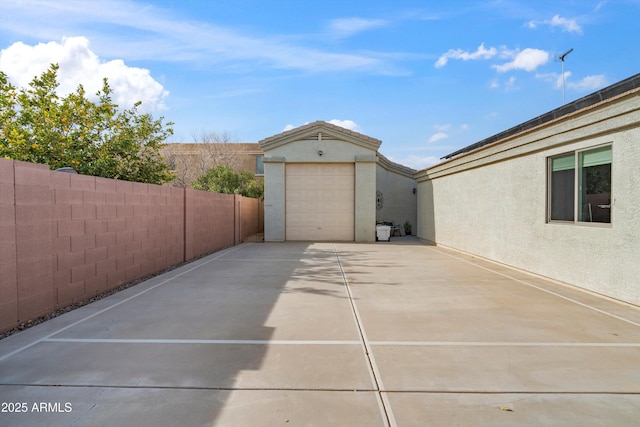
x=94, y=138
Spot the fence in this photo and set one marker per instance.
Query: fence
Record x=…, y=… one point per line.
x=66, y=238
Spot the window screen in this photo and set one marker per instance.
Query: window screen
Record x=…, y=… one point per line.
x=580, y=186
x=562, y=187
x=594, y=185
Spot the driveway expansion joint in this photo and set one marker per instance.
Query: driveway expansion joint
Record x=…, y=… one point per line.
x=385, y=406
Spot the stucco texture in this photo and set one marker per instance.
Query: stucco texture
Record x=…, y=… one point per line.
x=399, y=201
x=319, y=143
x=493, y=203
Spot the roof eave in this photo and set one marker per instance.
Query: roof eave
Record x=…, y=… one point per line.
x=327, y=129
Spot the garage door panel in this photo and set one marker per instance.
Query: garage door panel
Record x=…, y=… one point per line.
x=320, y=201
x=318, y=234
x=320, y=196
x=325, y=169
x=314, y=219
x=319, y=182
x=320, y=206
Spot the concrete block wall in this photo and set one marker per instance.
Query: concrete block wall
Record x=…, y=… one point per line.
x=33, y=206
x=250, y=218
x=8, y=266
x=210, y=222
x=65, y=238
x=107, y=232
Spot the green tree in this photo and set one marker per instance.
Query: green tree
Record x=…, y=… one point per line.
x=94, y=138
x=223, y=179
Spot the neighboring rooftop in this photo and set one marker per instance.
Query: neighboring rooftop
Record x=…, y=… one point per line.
x=198, y=147
x=614, y=90
x=188, y=161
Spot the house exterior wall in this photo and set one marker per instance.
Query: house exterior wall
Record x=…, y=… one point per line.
x=307, y=151
x=492, y=202
x=365, y=199
x=396, y=184
x=274, y=199
x=188, y=161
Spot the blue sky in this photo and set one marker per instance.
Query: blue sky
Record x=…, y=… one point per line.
x=425, y=77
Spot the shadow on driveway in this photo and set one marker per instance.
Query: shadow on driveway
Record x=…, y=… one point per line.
x=395, y=333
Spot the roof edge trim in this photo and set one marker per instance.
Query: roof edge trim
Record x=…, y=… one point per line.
x=614, y=90
x=329, y=129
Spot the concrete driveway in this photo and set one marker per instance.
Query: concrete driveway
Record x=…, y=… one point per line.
x=299, y=334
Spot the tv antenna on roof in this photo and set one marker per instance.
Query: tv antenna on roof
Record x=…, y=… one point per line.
x=561, y=58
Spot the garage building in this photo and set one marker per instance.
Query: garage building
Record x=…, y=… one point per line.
x=320, y=184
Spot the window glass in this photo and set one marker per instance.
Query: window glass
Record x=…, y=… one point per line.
x=259, y=166
x=562, y=187
x=594, y=185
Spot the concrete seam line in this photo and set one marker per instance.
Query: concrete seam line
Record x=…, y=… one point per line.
x=202, y=388
x=338, y=342
x=545, y=290
x=500, y=344
x=189, y=341
x=39, y=340
x=330, y=390
x=383, y=403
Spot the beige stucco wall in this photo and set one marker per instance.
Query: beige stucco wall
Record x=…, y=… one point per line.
x=307, y=151
x=492, y=202
x=365, y=199
x=274, y=200
x=399, y=202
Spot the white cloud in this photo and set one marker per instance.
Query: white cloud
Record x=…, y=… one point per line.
x=589, y=83
x=567, y=25
x=507, y=86
x=559, y=80
x=510, y=84
x=554, y=78
x=442, y=128
x=437, y=137
x=79, y=65
x=528, y=60
x=443, y=131
x=161, y=36
x=346, y=27
x=347, y=124
x=416, y=162
x=480, y=53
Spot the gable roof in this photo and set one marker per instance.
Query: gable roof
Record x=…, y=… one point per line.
x=609, y=92
x=319, y=129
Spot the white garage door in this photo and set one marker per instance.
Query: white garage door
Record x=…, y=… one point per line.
x=320, y=201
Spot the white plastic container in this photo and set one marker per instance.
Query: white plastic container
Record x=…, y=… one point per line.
x=383, y=232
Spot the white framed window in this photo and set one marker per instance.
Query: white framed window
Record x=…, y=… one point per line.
x=579, y=186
